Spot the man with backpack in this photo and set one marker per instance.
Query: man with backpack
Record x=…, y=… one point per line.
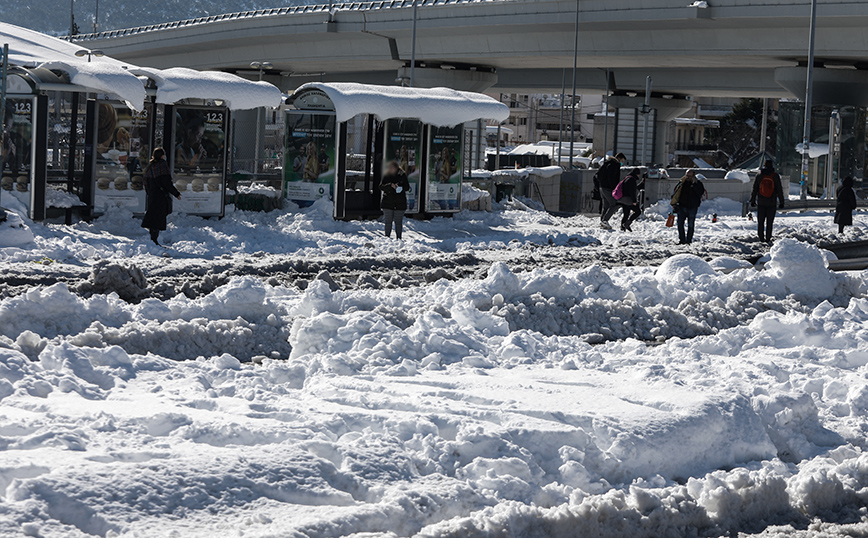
x=685, y=203
x=608, y=176
x=767, y=195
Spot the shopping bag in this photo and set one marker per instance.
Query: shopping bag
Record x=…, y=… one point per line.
x=670, y=220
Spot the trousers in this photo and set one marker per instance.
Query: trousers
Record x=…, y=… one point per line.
x=396, y=217
x=765, y=220
x=688, y=215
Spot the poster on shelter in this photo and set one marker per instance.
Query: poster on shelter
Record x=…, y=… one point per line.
x=123, y=146
x=404, y=146
x=444, y=169
x=309, y=169
x=17, y=151
x=199, y=159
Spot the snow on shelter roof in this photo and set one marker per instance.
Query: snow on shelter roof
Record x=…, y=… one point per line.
x=107, y=75
x=440, y=107
x=180, y=83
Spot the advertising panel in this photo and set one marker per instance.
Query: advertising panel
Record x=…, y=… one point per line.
x=404, y=145
x=199, y=159
x=309, y=168
x=444, y=169
x=16, y=150
x=123, y=146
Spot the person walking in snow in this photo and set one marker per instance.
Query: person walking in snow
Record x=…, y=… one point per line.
x=609, y=175
x=767, y=192
x=629, y=199
x=685, y=204
x=845, y=205
x=394, y=186
x=159, y=189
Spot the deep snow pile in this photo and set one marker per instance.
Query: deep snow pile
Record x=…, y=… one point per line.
x=469, y=407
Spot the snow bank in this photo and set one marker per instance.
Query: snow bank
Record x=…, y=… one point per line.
x=438, y=106
x=13, y=231
x=741, y=175
x=802, y=268
x=62, y=199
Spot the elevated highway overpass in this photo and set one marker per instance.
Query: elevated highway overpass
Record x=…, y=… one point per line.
x=732, y=48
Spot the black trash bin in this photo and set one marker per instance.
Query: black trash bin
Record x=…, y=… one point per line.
x=503, y=190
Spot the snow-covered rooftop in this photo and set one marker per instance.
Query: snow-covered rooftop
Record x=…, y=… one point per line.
x=179, y=83
x=107, y=75
x=435, y=106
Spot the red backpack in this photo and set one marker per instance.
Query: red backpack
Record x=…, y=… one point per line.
x=767, y=186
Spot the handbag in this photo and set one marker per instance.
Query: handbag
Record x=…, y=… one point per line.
x=670, y=220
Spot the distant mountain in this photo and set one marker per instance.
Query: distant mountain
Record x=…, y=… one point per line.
x=52, y=16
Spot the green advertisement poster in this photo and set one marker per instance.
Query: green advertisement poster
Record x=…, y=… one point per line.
x=200, y=159
x=404, y=146
x=123, y=151
x=309, y=168
x=444, y=169
x=17, y=150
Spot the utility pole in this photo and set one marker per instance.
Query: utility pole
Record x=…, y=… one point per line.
x=606, y=116
x=261, y=66
x=413, y=47
x=646, y=111
x=809, y=94
x=764, y=131
x=96, y=17
x=71, y=18
x=561, y=127
x=573, y=101
x=4, y=67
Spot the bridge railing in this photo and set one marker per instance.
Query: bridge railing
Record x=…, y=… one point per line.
x=272, y=12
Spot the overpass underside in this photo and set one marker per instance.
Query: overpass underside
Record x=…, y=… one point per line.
x=730, y=49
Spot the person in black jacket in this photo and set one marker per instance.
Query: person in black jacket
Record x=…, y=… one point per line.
x=767, y=191
x=685, y=203
x=609, y=175
x=630, y=199
x=394, y=186
x=845, y=205
x=159, y=189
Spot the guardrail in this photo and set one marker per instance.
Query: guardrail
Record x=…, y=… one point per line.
x=806, y=205
x=272, y=12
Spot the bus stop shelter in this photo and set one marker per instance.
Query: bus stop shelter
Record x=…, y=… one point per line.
x=340, y=136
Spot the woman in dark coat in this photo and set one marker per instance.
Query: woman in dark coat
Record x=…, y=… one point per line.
x=845, y=205
x=159, y=188
x=394, y=186
x=629, y=200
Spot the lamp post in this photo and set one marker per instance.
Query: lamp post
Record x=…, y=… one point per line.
x=809, y=93
x=573, y=101
x=261, y=67
x=89, y=53
x=413, y=48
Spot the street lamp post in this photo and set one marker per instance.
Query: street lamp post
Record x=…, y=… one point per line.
x=413, y=47
x=261, y=67
x=573, y=102
x=89, y=53
x=809, y=93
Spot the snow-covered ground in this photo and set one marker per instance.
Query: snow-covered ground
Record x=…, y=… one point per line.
x=504, y=374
